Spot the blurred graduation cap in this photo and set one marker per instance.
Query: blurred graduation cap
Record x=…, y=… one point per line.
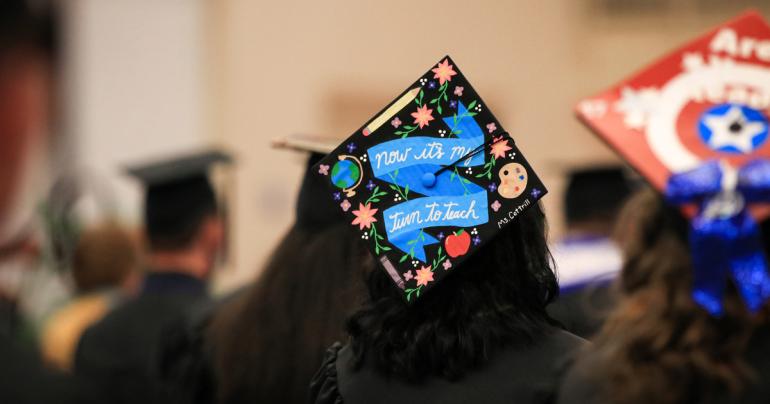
x=179, y=196
x=595, y=192
x=314, y=209
x=694, y=124
x=313, y=144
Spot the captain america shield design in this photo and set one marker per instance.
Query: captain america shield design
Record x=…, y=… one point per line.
x=733, y=128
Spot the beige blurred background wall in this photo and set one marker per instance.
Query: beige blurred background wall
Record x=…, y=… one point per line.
x=240, y=72
x=135, y=82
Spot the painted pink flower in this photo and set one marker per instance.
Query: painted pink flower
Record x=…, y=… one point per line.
x=345, y=205
x=443, y=72
x=323, y=169
x=499, y=148
x=364, y=216
x=423, y=116
x=459, y=91
x=496, y=205
x=447, y=265
x=408, y=276
x=424, y=276
x=395, y=122
x=491, y=127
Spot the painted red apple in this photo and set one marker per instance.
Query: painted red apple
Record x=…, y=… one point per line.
x=457, y=244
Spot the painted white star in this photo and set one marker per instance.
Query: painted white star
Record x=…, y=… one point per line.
x=637, y=105
x=733, y=129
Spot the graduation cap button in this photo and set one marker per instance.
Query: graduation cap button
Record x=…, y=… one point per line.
x=428, y=180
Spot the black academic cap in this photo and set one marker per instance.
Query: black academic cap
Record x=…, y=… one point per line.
x=179, y=196
x=595, y=193
x=314, y=209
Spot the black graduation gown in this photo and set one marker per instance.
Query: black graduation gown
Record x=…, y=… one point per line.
x=24, y=380
x=582, y=311
x=583, y=382
x=515, y=375
x=121, y=353
x=186, y=362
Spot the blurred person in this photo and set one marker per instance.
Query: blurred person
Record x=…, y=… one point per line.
x=691, y=324
x=27, y=70
x=265, y=341
x=268, y=343
x=185, y=233
x=482, y=335
x=456, y=309
x=659, y=345
x=587, y=259
x=105, y=271
x=28, y=57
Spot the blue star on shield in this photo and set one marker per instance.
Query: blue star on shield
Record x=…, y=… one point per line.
x=733, y=128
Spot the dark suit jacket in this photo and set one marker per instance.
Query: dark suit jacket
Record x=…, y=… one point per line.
x=120, y=354
x=23, y=379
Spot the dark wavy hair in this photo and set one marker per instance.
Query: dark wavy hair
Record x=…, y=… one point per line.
x=497, y=298
x=269, y=341
x=658, y=345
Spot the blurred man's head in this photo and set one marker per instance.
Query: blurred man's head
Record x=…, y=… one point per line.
x=593, y=198
x=184, y=229
x=182, y=218
x=27, y=54
x=176, y=212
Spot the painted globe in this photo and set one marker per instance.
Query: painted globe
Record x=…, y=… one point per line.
x=345, y=174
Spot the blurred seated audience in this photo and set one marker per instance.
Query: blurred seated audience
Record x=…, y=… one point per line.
x=587, y=258
x=105, y=270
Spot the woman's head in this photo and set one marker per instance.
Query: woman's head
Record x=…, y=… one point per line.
x=659, y=345
x=270, y=340
x=495, y=298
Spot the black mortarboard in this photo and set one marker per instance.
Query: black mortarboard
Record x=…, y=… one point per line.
x=595, y=193
x=314, y=209
x=179, y=195
x=430, y=179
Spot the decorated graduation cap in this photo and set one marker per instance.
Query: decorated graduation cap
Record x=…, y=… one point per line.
x=695, y=125
x=430, y=179
x=179, y=195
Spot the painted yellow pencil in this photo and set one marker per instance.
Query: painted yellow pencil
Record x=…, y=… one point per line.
x=392, y=110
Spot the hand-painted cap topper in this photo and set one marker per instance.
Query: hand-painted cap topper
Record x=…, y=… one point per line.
x=430, y=179
x=695, y=124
